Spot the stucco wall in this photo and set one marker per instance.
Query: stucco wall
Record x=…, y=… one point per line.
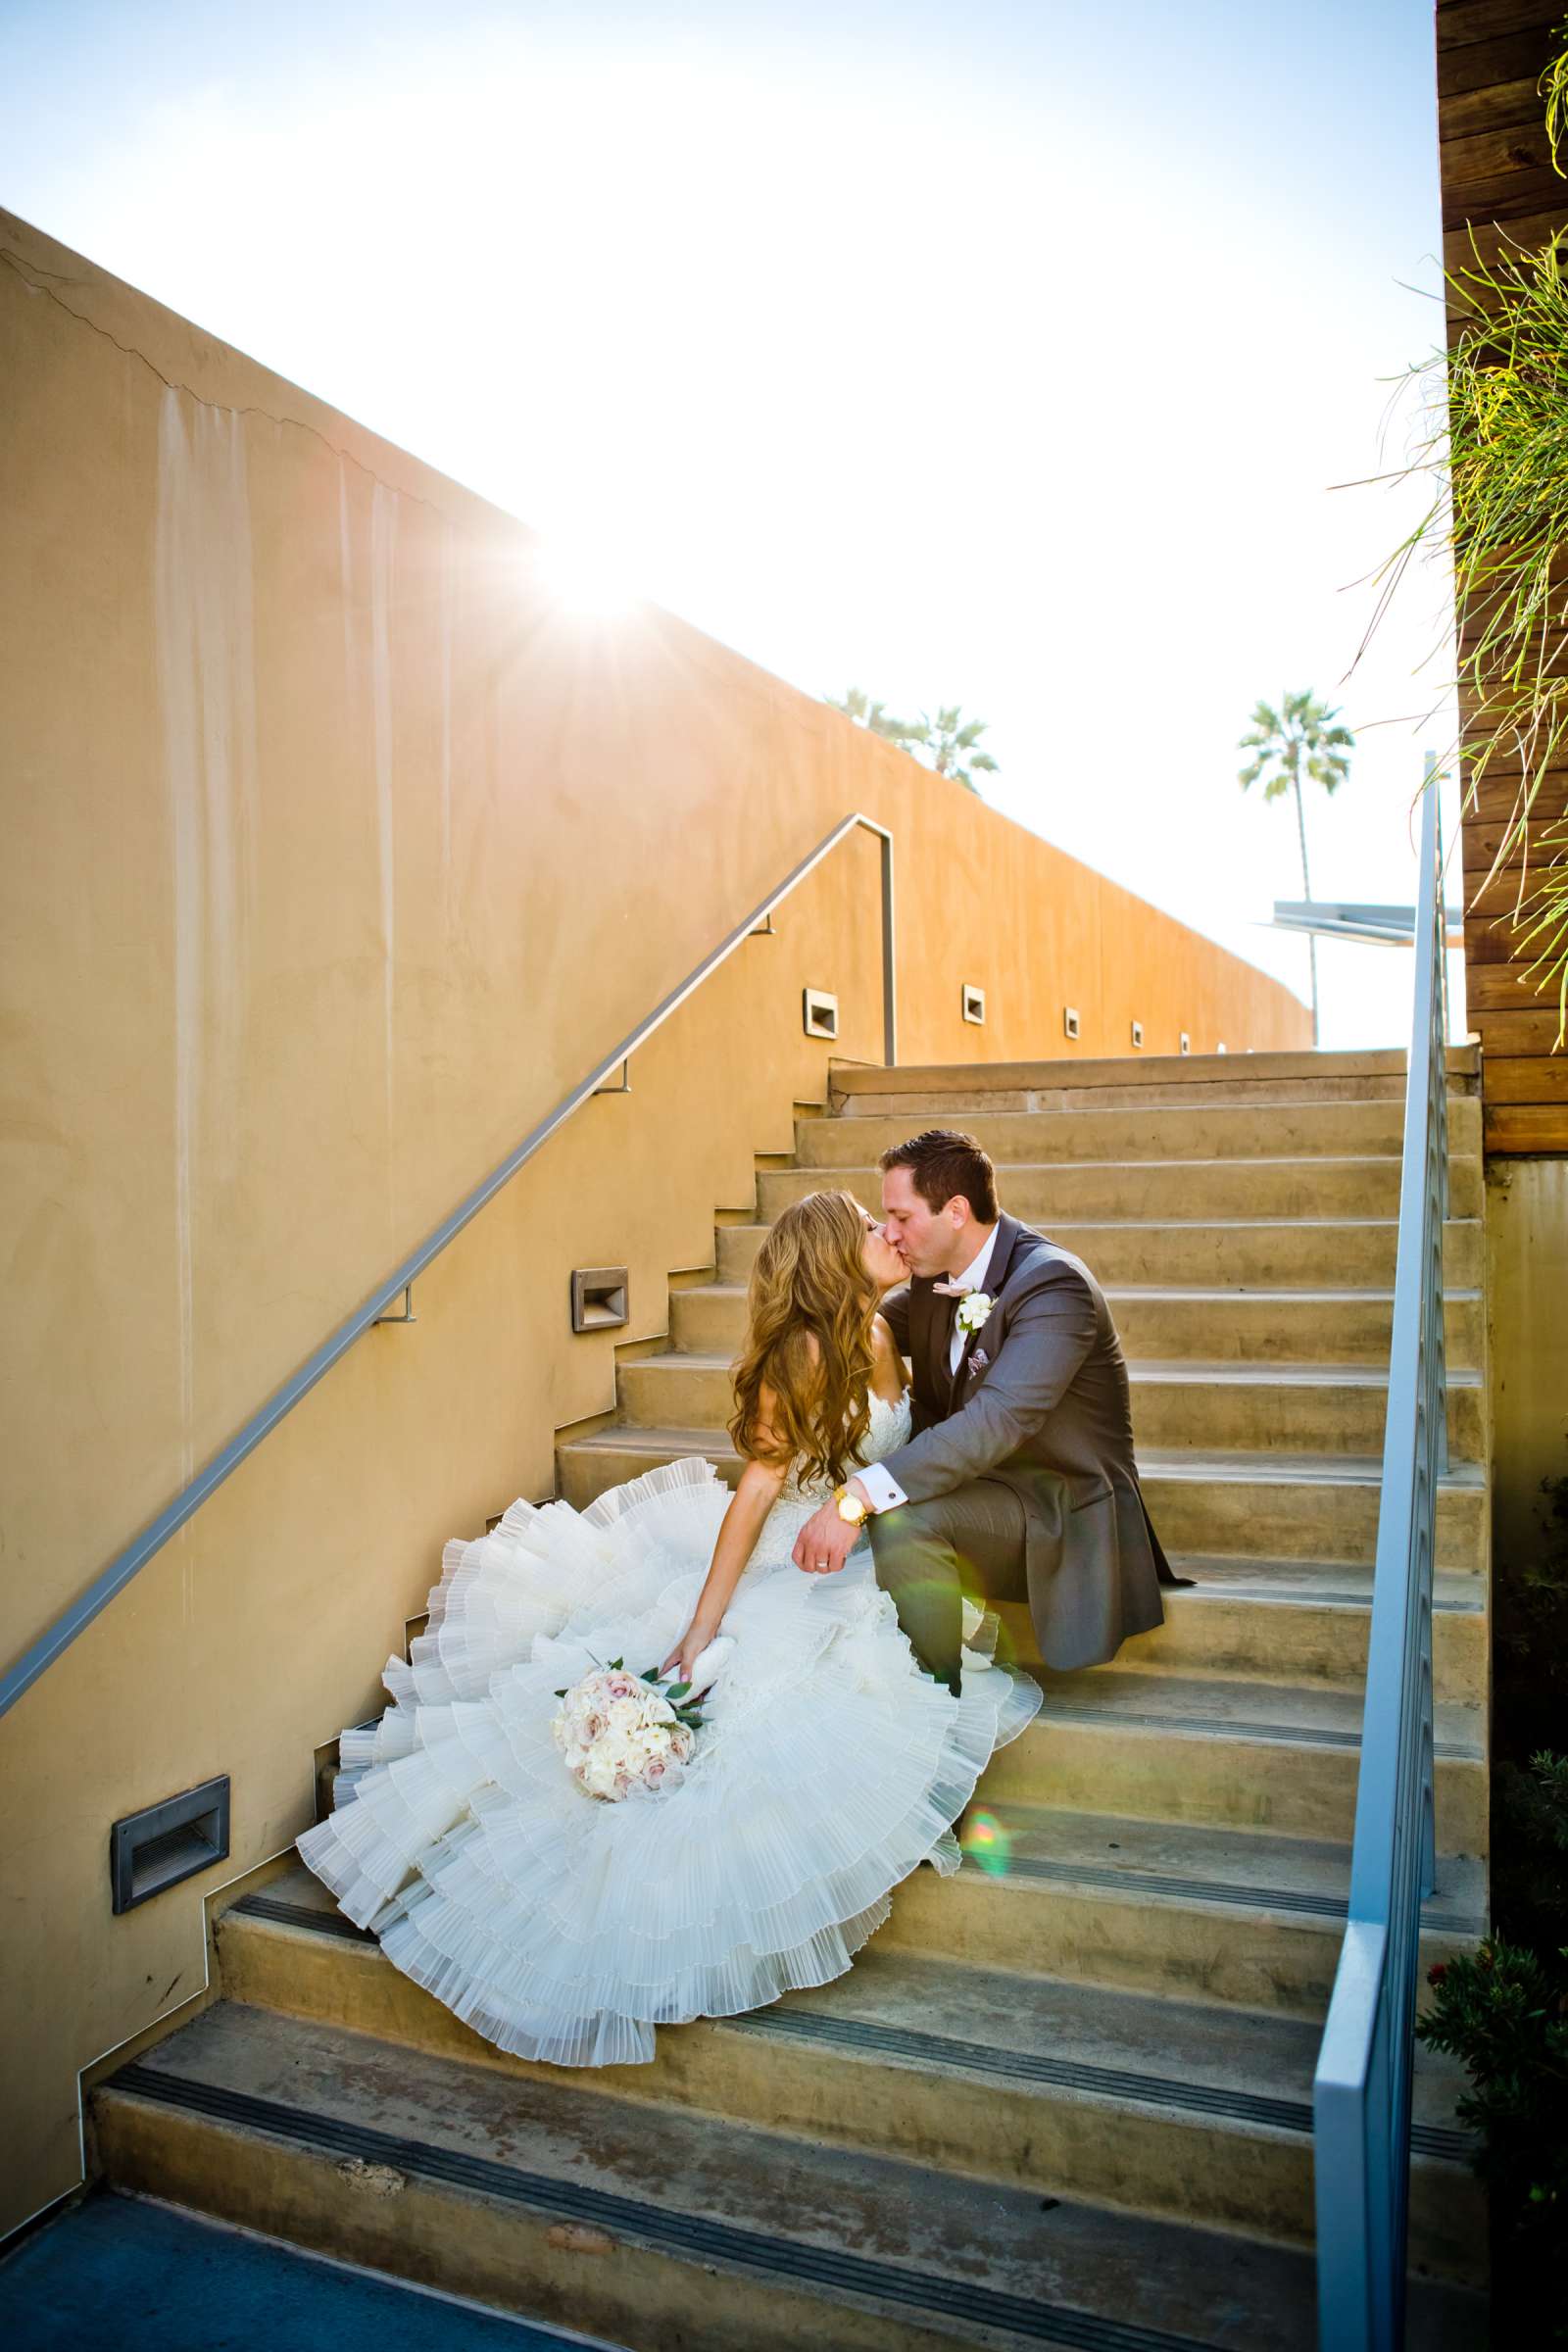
x=337, y=853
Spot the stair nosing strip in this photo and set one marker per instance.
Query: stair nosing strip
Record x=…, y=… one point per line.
x=1030, y=2067
x=1303, y=1596
x=1102, y=1876
x=682, y=2234
x=1067, y=2074
x=299, y=1914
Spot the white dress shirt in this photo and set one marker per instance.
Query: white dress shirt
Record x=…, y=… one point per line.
x=881, y=1486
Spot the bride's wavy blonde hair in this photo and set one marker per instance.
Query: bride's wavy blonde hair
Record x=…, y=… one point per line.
x=809, y=1285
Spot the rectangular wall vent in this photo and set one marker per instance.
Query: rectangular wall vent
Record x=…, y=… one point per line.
x=1069, y=1019
x=819, y=1013
x=599, y=1297
x=1138, y=1033
x=163, y=1843
x=974, y=1005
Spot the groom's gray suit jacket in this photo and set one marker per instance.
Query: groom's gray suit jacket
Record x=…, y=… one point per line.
x=1041, y=1402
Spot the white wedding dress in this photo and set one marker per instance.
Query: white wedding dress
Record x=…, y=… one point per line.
x=565, y=1928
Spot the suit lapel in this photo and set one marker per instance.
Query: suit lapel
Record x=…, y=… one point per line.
x=1008, y=1232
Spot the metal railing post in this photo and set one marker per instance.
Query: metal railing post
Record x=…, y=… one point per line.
x=1362, y=2087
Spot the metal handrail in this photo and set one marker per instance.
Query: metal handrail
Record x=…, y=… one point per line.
x=1362, y=2091
x=112, y=1579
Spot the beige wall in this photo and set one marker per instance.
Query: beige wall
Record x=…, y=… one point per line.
x=336, y=856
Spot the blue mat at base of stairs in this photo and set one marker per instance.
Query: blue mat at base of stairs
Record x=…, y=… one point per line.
x=119, y=2273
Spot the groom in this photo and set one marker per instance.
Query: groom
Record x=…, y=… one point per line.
x=1019, y=1478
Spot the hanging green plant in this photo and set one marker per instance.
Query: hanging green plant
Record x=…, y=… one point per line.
x=1495, y=406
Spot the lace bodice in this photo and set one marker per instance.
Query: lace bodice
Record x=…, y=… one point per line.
x=890, y=1428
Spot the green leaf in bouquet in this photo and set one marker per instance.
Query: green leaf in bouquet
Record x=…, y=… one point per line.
x=563, y=1693
x=676, y=1692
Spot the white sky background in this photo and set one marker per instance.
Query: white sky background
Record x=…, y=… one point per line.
x=1004, y=356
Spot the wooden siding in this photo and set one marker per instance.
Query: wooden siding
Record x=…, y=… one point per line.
x=1499, y=188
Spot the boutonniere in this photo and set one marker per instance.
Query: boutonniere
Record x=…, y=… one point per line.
x=974, y=1307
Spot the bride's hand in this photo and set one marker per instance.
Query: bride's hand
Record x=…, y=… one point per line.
x=689, y=1648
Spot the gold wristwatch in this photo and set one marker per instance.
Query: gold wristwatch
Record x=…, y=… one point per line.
x=849, y=1507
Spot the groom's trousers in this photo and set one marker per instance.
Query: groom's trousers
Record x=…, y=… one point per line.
x=927, y=1555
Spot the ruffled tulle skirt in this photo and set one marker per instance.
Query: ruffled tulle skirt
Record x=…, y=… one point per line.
x=565, y=1928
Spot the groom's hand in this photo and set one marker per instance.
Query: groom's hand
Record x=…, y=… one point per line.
x=824, y=1544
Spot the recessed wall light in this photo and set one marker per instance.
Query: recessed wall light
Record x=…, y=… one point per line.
x=599, y=1297
x=166, y=1842
x=819, y=1013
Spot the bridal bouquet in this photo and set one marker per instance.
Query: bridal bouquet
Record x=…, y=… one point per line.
x=617, y=1731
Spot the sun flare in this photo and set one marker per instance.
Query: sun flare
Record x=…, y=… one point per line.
x=584, y=577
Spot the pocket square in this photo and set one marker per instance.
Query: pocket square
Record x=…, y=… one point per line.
x=978, y=1361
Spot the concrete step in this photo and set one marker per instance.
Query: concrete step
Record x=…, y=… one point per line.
x=1152, y=1131
x=1252, y=1919
x=1189, y=2110
x=1284, y=1408
x=1315, y=1254
x=1295, y=1621
x=1218, y=1915
x=1306, y=1507
x=1272, y=1408
x=1300, y=1507
x=1163, y=1190
x=1215, y=1325
x=1223, y=1751
x=941, y=1088
x=954, y=1106
x=683, y=2232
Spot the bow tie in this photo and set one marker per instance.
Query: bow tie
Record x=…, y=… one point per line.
x=951, y=1290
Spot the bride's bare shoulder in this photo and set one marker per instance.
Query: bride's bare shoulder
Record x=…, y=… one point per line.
x=888, y=1378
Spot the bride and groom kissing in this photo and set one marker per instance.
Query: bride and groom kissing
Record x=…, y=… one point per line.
x=828, y=1606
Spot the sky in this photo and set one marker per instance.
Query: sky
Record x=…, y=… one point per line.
x=1046, y=362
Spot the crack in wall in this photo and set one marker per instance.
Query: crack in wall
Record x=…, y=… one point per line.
x=23, y=270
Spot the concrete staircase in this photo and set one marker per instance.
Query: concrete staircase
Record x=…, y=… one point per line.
x=1065, y=2097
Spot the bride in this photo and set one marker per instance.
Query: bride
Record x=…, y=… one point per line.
x=829, y=1764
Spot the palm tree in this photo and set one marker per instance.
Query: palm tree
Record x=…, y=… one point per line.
x=858, y=708
x=951, y=745
x=1302, y=738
